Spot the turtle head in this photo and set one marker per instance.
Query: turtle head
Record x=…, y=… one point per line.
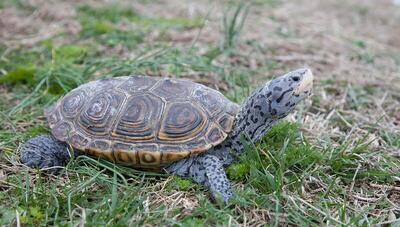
x=285, y=92
x=265, y=106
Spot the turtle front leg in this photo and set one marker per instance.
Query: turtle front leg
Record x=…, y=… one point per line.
x=207, y=170
x=44, y=151
x=217, y=180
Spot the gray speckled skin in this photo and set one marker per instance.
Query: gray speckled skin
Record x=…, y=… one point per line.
x=259, y=112
x=45, y=151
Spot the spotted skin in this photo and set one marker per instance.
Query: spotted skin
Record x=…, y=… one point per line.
x=265, y=106
x=259, y=112
x=45, y=151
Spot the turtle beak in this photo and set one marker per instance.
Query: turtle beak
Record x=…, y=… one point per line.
x=306, y=82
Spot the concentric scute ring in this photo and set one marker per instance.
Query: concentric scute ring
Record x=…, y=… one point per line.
x=182, y=122
x=72, y=104
x=139, y=118
x=171, y=89
x=135, y=84
x=96, y=119
x=212, y=101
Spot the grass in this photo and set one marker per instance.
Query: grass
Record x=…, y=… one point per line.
x=334, y=162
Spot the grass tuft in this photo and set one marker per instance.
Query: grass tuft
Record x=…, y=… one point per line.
x=233, y=22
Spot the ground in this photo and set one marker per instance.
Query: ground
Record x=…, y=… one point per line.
x=335, y=161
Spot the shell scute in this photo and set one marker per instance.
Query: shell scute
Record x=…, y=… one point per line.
x=209, y=99
x=125, y=153
x=172, y=89
x=226, y=122
x=62, y=130
x=182, y=122
x=79, y=141
x=172, y=156
x=149, y=158
x=138, y=118
x=214, y=135
x=53, y=116
x=73, y=103
x=97, y=118
x=101, y=148
x=136, y=84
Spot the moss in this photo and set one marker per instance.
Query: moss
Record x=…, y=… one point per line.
x=276, y=159
x=238, y=171
x=178, y=183
x=285, y=137
x=36, y=213
x=19, y=74
x=277, y=135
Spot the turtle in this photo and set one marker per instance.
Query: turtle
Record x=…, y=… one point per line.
x=170, y=125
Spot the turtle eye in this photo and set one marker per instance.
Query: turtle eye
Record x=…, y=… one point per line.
x=295, y=78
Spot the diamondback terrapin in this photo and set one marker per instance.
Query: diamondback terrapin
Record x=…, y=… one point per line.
x=161, y=124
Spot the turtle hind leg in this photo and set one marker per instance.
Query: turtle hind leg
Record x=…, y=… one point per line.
x=44, y=151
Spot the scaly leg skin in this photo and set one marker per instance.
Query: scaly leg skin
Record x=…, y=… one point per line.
x=207, y=170
x=44, y=151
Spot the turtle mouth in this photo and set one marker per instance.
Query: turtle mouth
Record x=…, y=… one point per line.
x=305, y=86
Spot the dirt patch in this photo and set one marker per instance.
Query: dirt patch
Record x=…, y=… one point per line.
x=40, y=22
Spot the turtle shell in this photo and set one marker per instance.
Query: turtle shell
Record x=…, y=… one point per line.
x=140, y=121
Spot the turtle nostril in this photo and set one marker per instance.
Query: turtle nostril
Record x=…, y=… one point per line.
x=296, y=78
